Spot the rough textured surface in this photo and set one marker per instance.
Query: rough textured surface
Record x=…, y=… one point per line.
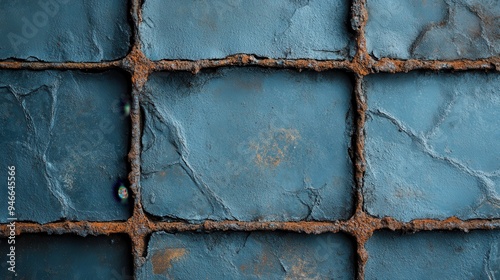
x=64, y=30
x=194, y=29
x=432, y=146
x=68, y=139
x=434, y=255
x=361, y=225
x=441, y=29
x=68, y=257
x=247, y=144
x=252, y=255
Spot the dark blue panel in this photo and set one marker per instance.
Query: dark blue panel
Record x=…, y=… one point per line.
x=432, y=143
x=434, y=255
x=254, y=255
x=67, y=136
x=64, y=30
x=67, y=257
x=439, y=29
x=247, y=144
x=193, y=29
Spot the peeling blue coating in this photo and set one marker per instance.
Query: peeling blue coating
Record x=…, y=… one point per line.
x=434, y=255
x=432, y=143
x=66, y=136
x=202, y=29
x=68, y=257
x=252, y=255
x=441, y=29
x=247, y=144
x=64, y=30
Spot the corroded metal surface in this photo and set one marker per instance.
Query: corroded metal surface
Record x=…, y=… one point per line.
x=361, y=225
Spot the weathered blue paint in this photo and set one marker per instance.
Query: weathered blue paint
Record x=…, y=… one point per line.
x=64, y=30
x=252, y=255
x=432, y=143
x=434, y=255
x=194, y=29
x=68, y=257
x=247, y=144
x=65, y=134
x=440, y=29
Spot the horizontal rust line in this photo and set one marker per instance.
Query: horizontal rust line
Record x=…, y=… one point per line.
x=402, y=66
x=364, y=67
x=35, y=65
x=301, y=227
x=452, y=223
x=251, y=60
x=81, y=228
x=363, y=225
x=359, y=225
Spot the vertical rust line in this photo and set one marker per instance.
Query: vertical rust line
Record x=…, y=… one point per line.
x=362, y=256
x=359, y=141
x=136, y=16
x=360, y=225
x=359, y=17
x=139, y=244
x=138, y=66
x=139, y=227
x=134, y=154
x=360, y=217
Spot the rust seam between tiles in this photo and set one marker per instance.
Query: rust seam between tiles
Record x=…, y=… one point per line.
x=360, y=226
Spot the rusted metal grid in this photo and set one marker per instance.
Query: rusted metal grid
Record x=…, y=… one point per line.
x=360, y=226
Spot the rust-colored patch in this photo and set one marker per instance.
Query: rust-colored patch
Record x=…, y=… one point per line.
x=302, y=270
x=273, y=147
x=139, y=66
x=162, y=261
x=262, y=264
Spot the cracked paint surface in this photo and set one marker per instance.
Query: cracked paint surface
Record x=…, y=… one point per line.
x=247, y=144
x=443, y=29
x=66, y=136
x=68, y=257
x=434, y=255
x=432, y=143
x=203, y=29
x=64, y=30
x=252, y=255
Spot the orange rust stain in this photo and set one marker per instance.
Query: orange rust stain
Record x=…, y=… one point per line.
x=302, y=270
x=273, y=146
x=162, y=261
x=139, y=65
x=262, y=264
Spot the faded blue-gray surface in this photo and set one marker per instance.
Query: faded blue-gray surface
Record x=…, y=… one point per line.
x=66, y=136
x=434, y=255
x=194, y=29
x=432, y=143
x=252, y=255
x=64, y=30
x=438, y=29
x=68, y=257
x=247, y=144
